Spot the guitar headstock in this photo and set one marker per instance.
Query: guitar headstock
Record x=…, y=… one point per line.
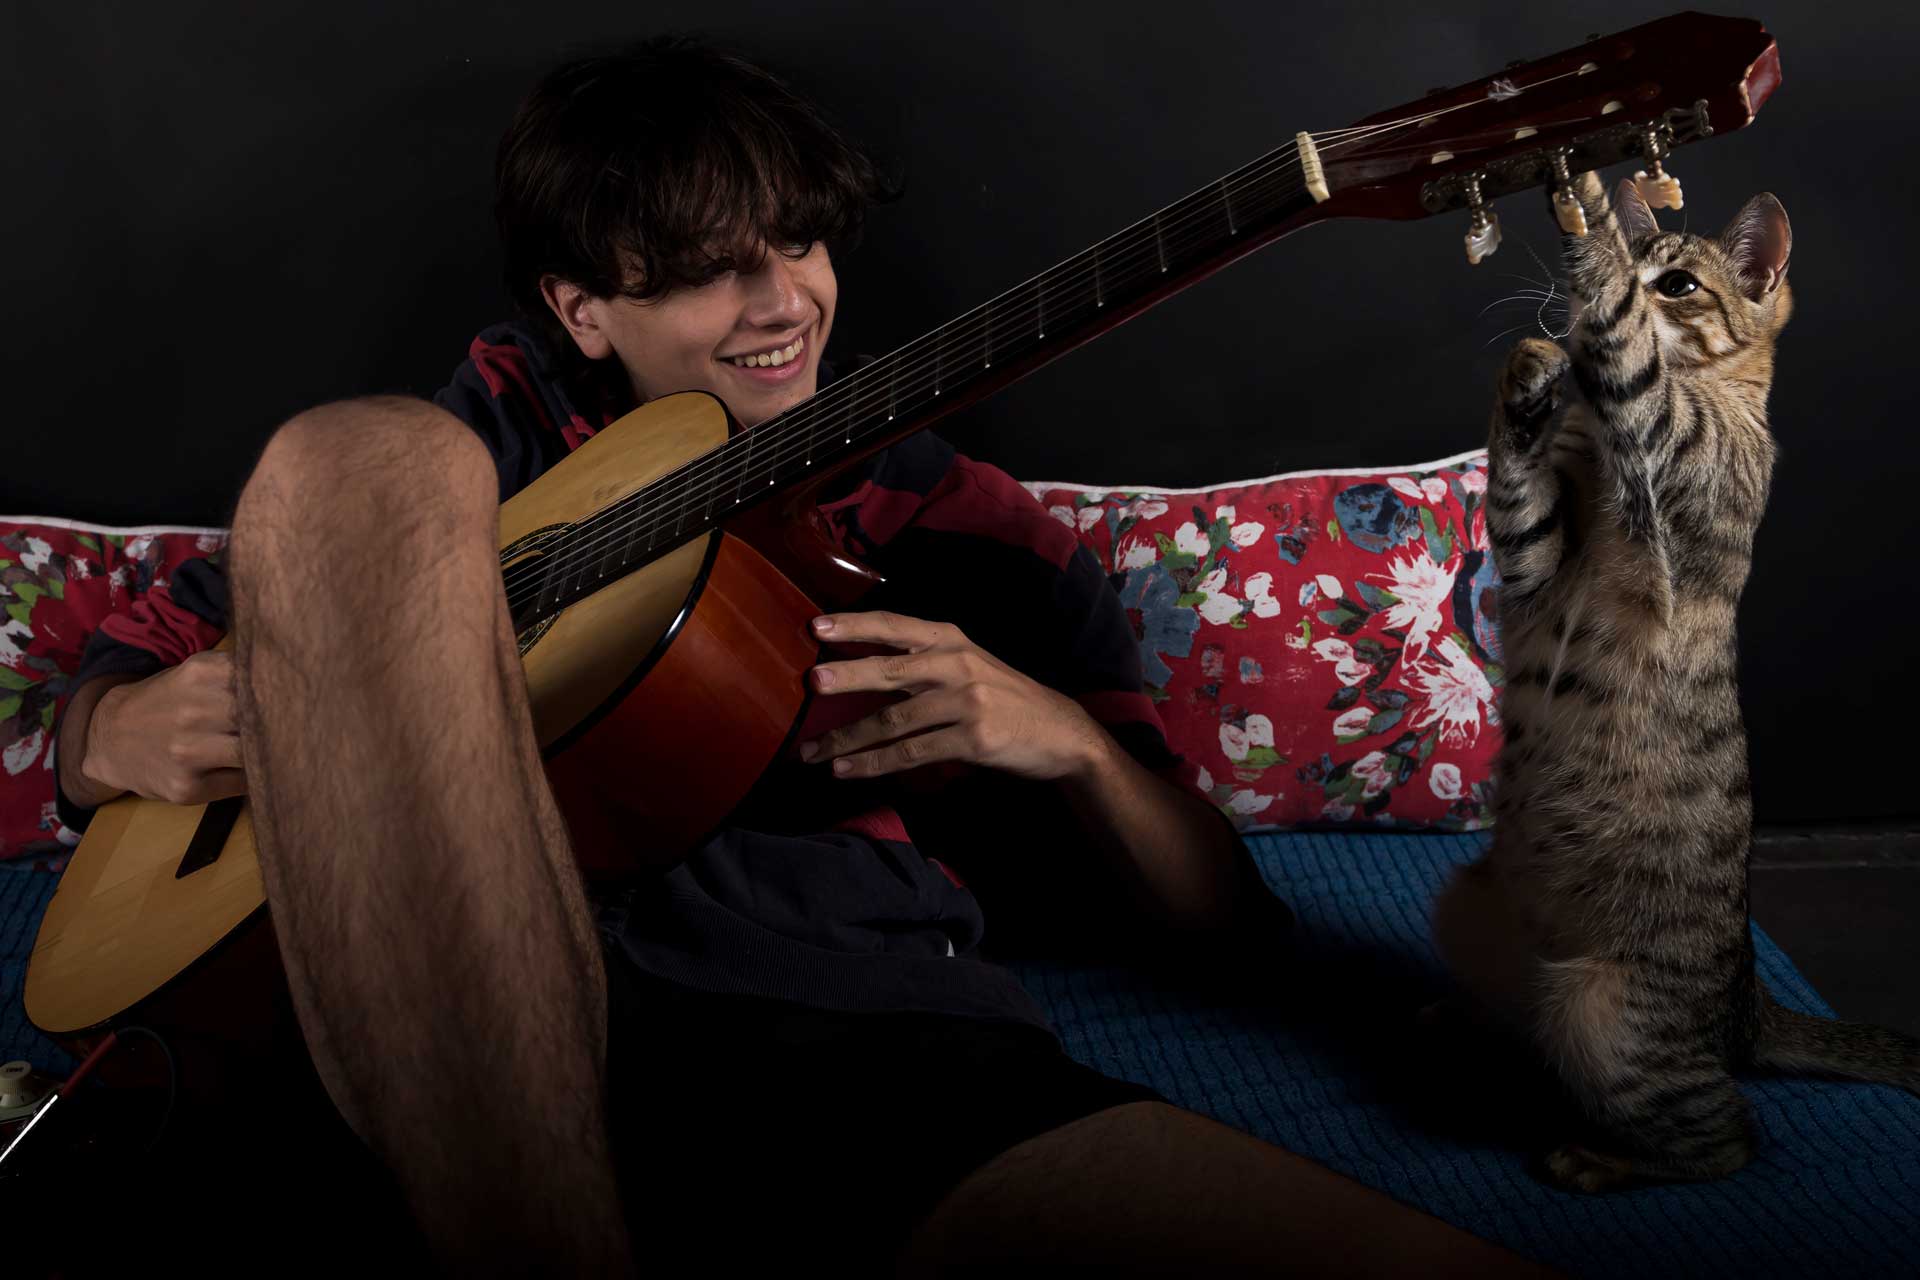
x=1639, y=94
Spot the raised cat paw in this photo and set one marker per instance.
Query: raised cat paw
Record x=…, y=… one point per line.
x=1576, y=1168
x=1530, y=384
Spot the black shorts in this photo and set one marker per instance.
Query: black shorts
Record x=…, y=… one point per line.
x=748, y=1129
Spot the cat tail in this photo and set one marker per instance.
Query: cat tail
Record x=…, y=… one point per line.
x=1800, y=1044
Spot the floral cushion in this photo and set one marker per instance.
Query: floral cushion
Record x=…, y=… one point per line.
x=1322, y=645
x=58, y=582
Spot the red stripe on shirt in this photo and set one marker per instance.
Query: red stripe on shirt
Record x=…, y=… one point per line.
x=170, y=631
x=501, y=365
x=983, y=500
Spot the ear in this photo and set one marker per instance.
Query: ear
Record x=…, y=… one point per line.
x=1632, y=213
x=1759, y=241
x=579, y=311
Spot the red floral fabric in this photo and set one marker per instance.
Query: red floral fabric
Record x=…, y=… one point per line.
x=1322, y=645
x=58, y=583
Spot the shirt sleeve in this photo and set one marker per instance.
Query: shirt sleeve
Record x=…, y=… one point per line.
x=961, y=541
x=166, y=626
x=496, y=392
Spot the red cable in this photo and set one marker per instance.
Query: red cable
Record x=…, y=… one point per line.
x=87, y=1064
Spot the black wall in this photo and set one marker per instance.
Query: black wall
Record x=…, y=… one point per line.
x=219, y=213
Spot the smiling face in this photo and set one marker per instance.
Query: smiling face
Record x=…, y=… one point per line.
x=751, y=335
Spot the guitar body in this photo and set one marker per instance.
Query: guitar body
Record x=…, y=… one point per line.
x=656, y=701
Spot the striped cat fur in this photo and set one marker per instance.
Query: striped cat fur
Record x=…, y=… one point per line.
x=1608, y=921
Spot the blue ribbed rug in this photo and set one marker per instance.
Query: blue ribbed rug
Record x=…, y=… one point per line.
x=1316, y=1051
x=1314, y=1048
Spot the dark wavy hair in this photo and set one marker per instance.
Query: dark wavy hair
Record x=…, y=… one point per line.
x=664, y=165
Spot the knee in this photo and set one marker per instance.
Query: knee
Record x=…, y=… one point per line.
x=377, y=459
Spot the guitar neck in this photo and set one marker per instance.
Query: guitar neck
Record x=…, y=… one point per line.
x=1638, y=94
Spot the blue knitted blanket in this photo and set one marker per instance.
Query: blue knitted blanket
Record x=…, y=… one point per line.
x=1317, y=1051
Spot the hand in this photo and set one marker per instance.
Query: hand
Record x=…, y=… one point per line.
x=173, y=736
x=966, y=706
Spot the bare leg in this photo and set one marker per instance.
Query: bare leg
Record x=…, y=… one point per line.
x=1149, y=1189
x=442, y=959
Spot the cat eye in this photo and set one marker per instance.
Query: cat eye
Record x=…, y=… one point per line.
x=1676, y=284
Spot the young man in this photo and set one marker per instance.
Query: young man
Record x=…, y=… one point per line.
x=790, y=1048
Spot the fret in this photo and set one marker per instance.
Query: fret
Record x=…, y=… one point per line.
x=1160, y=243
x=740, y=484
x=986, y=338
x=1099, y=286
x=1040, y=304
x=1226, y=198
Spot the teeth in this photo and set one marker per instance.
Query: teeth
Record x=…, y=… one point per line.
x=768, y=359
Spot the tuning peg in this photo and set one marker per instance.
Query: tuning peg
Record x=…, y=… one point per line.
x=1660, y=189
x=1483, y=233
x=1567, y=209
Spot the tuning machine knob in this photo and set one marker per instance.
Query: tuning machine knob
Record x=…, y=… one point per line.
x=1567, y=209
x=1483, y=233
x=1660, y=189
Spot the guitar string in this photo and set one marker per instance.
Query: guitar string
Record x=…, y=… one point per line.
x=606, y=525
x=957, y=334
x=718, y=458
x=576, y=561
x=909, y=381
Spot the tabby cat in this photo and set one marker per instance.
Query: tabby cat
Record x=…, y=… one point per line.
x=1608, y=920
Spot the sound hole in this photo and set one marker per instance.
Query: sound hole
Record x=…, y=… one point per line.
x=210, y=837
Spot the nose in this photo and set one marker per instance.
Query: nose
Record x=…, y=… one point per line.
x=775, y=299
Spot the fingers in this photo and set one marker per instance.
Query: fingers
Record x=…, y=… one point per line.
x=951, y=743
x=915, y=715
x=885, y=628
x=911, y=672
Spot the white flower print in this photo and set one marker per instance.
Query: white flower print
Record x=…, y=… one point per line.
x=136, y=548
x=1091, y=516
x=1329, y=586
x=79, y=570
x=209, y=542
x=1309, y=592
x=1435, y=488
x=1224, y=513
x=1455, y=689
x=18, y=757
x=1378, y=774
x=1445, y=781
x=1205, y=780
x=1219, y=608
x=1246, y=535
x=1423, y=589
x=1336, y=811
x=1236, y=742
x=1473, y=481
x=1246, y=803
x=1189, y=539
x=1144, y=508
x=1406, y=488
x=1349, y=668
x=10, y=631
x=1139, y=553
x=1354, y=722
x=35, y=557
x=1260, y=596
x=1063, y=514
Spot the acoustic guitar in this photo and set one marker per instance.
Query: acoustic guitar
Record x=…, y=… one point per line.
x=664, y=573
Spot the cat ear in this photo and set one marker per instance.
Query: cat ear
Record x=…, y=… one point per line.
x=1632, y=213
x=1759, y=241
